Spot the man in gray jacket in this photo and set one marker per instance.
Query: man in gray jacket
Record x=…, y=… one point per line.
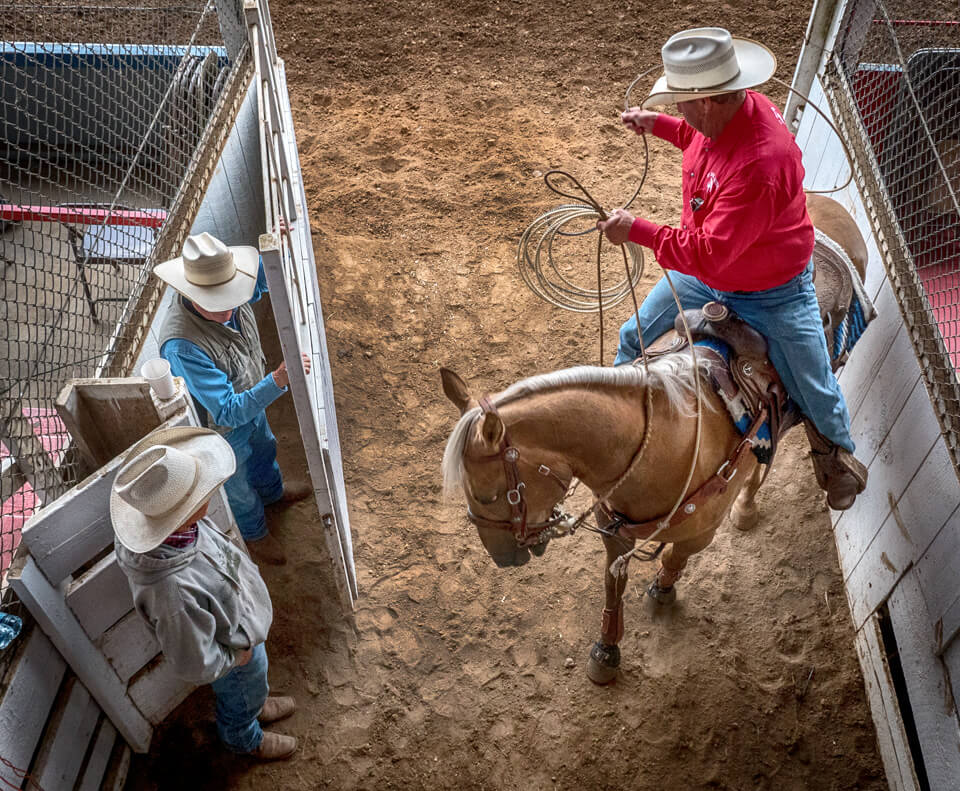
x=200, y=594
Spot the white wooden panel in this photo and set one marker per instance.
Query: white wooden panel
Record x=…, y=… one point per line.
x=948, y=624
x=116, y=776
x=832, y=170
x=878, y=570
x=68, y=736
x=883, y=402
x=876, y=271
x=157, y=691
x=34, y=680
x=952, y=660
x=937, y=570
x=892, y=468
x=810, y=120
x=891, y=736
x=100, y=597
x=871, y=350
x=932, y=496
x=73, y=529
x=904, y=534
x=96, y=766
x=929, y=689
x=129, y=645
x=47, y=605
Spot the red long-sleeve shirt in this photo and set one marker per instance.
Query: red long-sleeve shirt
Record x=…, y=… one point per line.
x=750, y=229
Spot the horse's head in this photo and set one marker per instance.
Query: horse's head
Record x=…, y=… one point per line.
x=512, y=499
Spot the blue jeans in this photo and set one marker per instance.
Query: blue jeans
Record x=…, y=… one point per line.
x=787, y=316
x=240, y=697
x=257, y=481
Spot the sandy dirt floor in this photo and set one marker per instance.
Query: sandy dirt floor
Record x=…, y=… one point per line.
x=424, y=130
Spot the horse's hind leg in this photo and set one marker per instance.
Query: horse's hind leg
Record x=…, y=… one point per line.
x=672, y=562
x=605, y=654
x=744, y=512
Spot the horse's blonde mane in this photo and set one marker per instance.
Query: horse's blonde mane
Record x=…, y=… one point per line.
x=671, y=374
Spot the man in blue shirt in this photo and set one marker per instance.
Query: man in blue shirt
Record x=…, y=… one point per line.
x=211, y=339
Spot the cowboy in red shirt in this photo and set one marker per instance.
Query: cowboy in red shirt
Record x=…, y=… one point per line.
x=745, y=237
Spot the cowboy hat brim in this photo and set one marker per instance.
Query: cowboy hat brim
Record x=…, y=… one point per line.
x=757, y=65
x=139, y=532
x=236, y=291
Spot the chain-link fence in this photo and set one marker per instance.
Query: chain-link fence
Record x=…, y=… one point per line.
x=106, y=148
x=893, y=80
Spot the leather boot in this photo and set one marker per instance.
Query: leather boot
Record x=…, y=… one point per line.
x=293, y=492
x=267, y=550
x=275, y=747
x=838, y=471
x=277, y=708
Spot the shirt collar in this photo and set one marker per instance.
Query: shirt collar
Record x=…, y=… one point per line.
x=735, y=126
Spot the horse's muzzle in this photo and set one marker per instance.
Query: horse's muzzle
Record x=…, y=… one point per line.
x=519, y=557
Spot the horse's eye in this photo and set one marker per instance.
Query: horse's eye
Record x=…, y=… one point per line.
x=487, y=500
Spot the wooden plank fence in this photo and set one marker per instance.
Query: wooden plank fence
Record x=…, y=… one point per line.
x=67, y=576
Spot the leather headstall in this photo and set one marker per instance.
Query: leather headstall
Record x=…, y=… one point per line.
x=525, y=533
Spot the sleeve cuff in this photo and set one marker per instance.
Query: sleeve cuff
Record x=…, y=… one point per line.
x=643, y=232
x=266, y=391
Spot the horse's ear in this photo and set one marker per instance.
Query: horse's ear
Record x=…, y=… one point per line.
x=456, y=390
x=492, y=430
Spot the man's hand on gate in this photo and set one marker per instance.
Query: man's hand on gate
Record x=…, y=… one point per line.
x=639, y=120
x=282, y=378
x=617, y=226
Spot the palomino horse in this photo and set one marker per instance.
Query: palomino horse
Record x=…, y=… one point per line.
x=625, y=429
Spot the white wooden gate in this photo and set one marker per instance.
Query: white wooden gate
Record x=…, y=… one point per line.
x=67, y=573
x=291, y=272
x=899, y=545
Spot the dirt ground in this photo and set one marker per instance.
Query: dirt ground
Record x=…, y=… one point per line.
x=424, y=129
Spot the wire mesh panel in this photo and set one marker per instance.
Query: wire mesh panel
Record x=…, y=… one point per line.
x=893, y=81
x=112, y=117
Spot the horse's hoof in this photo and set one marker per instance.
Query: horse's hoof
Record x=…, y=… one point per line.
x=603, y=663
x=745, y=520
x=662, y=596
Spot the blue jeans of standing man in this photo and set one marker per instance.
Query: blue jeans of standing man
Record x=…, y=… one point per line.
x=241, y=694
x=787, y=316
x=257, y=481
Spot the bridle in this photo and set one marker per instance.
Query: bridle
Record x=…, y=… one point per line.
x=526, y=533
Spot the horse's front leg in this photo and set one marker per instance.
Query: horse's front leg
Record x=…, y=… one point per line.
x=672, y=562
x=605, y=654
x=744, y=512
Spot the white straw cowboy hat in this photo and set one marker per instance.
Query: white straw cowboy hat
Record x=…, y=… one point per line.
x=708, y=61
x=212, y=275
x=165, y=478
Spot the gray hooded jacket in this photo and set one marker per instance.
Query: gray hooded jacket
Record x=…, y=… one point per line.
x=205, y=603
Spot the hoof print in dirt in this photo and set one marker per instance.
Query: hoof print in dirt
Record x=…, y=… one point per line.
x=603, y=663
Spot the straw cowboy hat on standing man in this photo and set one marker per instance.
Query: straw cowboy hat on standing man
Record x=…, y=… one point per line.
x=744, y=238
x=211, y=339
